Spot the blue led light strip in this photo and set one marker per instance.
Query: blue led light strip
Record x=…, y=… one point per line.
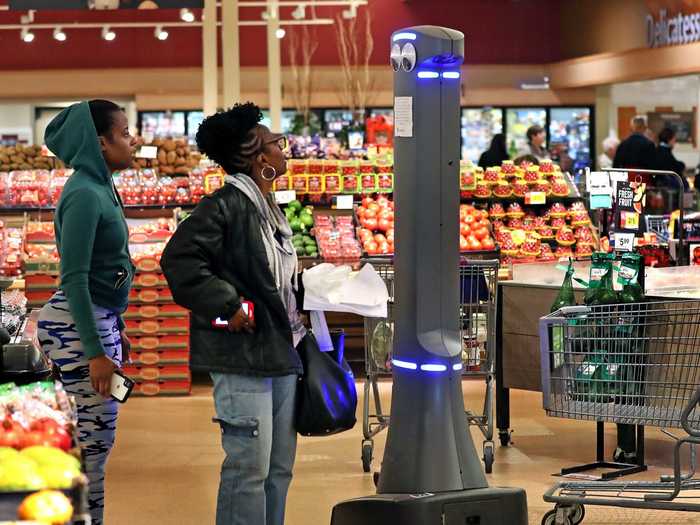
x=428, y=74
x=450, y=74
x=428, y=367
x=404, y=36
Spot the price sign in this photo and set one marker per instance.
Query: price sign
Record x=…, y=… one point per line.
x=285, y=197
x=148, y=152
x=624, y=242
x=629, y=220
x=535, y=197
x=344, y=202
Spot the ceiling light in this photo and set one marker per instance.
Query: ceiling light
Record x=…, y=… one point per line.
x=108, y=34
x=351, y=12
x=186, y=15
x=160, y=33
x=280, y=32
x=59, y=35
x=299, y=13
x=27, y=35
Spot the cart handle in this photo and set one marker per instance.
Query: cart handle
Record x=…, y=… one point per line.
x=686, y=413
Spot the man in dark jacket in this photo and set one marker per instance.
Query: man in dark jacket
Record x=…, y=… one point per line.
x=666, y=161
x=636, y=151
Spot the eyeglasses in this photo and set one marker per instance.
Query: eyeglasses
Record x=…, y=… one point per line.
x=281, y=142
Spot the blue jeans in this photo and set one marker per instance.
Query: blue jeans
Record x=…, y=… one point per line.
x=256, y=415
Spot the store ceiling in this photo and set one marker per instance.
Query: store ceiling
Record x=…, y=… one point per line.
x=522, y=32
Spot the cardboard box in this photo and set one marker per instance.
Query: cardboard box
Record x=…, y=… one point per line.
x=158, y=372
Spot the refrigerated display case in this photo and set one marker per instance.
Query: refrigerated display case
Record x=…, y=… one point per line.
x=287, y=120
x=518, y=120
x=479, y=125
x=336, y=120
x=194, y=119
x=163, y=123
x=570, y=137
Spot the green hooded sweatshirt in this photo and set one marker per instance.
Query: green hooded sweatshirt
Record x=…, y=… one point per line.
x=91, y=231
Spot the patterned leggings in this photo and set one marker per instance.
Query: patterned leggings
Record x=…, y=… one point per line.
x=97, y=416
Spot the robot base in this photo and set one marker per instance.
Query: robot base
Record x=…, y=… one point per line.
x=489, y=506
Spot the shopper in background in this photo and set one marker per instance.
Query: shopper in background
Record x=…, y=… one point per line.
x=496, y=153
x=666, y=161
x=605, y=159
x=636, y=151
x=536, y=139
x=237, y=245
x=80, y=328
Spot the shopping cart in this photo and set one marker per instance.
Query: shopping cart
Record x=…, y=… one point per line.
x=477, y=319
x=634, y=364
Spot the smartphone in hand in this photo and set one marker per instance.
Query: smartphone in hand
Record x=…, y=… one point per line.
x=121, y=387
x=248, y=309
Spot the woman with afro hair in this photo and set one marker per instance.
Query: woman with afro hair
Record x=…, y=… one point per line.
x=236, y=247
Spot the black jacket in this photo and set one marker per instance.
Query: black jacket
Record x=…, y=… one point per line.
x=667, y=162
x=215, y=257
x=490, y=158
x=636, y=151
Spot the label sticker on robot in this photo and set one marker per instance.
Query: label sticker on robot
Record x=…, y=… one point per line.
x=624, y=242
x=148, y=152
x=285, y=197
x=403, y=116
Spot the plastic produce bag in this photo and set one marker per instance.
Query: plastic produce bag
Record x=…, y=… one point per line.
x=381, y=344
x=339, y=289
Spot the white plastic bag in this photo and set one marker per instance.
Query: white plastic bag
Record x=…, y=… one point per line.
x=338, y=289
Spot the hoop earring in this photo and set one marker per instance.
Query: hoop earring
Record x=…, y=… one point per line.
x=274, y=173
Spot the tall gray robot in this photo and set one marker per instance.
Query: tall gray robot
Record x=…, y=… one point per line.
x=431, y=473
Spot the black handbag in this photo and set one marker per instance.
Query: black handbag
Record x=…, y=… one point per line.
x=326, y=395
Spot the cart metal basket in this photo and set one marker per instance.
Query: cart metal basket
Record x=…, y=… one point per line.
x=635, y=364
x=477, y=317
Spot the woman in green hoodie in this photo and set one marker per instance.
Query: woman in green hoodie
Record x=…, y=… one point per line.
x=80, y=328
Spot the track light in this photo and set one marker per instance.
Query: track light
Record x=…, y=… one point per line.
x=186, y=15
x=108, y=34
x=351, y=12
x=160, y=33
x=299, y=13
x=280, y=32
x=59, y=35
x=27, y=35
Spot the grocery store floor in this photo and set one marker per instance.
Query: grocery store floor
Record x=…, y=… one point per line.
x=164, y=469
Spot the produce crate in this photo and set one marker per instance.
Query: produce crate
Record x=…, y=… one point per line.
x=149, y=280
x=158, y=372
x=41, y=281
x=158, y=326
x=152, y=311
x=160, y=357
x=150, y=295
x=163, y=388
x=178, y=343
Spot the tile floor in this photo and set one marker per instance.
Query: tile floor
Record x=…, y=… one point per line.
x=164, y=469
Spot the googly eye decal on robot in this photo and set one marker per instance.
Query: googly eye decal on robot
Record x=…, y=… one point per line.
x=395, y=57
x=408, y=57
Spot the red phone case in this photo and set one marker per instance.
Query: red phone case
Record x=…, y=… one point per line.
x=222, y=324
